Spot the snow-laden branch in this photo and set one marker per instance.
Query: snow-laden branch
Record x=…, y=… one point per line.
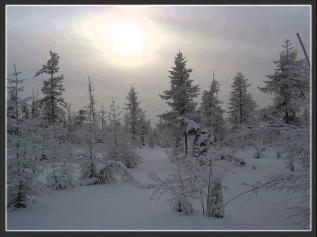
x=226, y=156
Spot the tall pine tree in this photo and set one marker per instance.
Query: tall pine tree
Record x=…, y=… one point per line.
x=241, y=104
x=54, y=122
x=180, y=97
x=134, y=115
x=211, y=112
x=53, y=104
x=119, y=148
x=22, y=170
x=284, y=85
x=89, y=161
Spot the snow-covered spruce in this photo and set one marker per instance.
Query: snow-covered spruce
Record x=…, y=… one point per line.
x=294, y=141
x=212, y=115
x=118, y=148
x=59, y=159
x=107, y=173
x=180, y=97
x=124, y=153
x=89, y=160
x=52, y=103
x=63, y=178
x=241, y=106
x=135, y=121
x=22, y=168
x=88, y=163
x=54, y=124
x=286, y=85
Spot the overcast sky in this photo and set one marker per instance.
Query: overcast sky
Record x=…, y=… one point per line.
x=223, y=39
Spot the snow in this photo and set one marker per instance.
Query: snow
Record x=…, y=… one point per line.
x=153, y=176
x=218, y=173
x=191, y=125
x=124, y=206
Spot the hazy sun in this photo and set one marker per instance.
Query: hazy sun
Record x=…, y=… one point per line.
x=126, y=39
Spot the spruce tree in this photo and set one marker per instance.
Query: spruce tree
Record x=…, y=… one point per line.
x=284, y=85
x=22, y=170
x=53, y=117
x=180, y=97
x=134, y=115
x=89, y=161
x=114, y=121
x=81, y=117
x=103, y=116
x=53, y=104
x=241, y=104
x=119, y=148
x=212, y=113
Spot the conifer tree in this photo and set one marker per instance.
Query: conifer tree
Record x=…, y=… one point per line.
x=284, y=85
x=21, y=168
x=89, y=161
x=241, y=104
x=103, y=116
x=81, y=117
x=53, y=104
x=180, y=97
x=134, y=115
x=212, y=113
x=119, y=148
x=114, y=121
x=53, y=117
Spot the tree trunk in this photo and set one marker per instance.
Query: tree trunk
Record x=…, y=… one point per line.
x=186, y=145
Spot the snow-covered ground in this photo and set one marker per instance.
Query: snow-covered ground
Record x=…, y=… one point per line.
x=123, y=206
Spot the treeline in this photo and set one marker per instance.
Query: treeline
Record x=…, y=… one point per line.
x=43, y=134
x=200, y=135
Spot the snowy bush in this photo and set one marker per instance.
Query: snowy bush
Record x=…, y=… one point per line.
x=109, y=170
x=62, y=178
x=144, y=185
x=231, y=158
x=88, y=163
x=192, y=180
x=183, y=205
x=124, y=153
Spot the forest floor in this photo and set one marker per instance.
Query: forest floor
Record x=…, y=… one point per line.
x=123, y=206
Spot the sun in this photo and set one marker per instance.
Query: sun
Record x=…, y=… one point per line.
x=126, y=39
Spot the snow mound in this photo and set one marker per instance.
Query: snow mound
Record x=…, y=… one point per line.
x=153, y=176
x=86, y=182
x=145, y=185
